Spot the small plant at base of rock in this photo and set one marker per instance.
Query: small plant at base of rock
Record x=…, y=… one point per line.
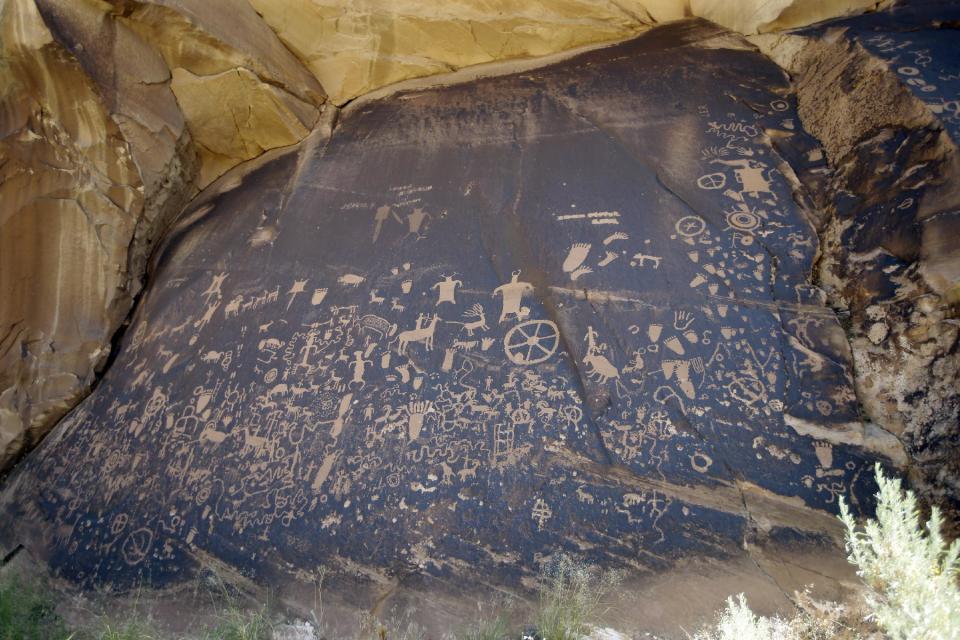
x=911, y=574
x=491, y=623
x=812, y=620
x=909, y=570
x=738, y=622
x=236, y=624
x=571, y=598
x=397, y=627
x=130, y=630
x=27, y=612
x=495, y=628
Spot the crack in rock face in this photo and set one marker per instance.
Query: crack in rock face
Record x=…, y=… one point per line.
x=564, y=310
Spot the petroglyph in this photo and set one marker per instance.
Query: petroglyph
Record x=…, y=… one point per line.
x=300, y=402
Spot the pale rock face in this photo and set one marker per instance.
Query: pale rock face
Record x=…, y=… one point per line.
x=356, y=47
x=114, y=115
x=70, y=192
x=240, y=90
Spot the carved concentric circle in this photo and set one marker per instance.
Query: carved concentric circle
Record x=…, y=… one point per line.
x=743, y=220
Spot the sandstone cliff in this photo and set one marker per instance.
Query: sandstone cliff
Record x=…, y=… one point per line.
x=663, y=299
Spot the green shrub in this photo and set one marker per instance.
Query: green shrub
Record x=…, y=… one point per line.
x=27, y=612
x=495, y=628
x=811, y=621
x=571, y=598
x=909, y=570
x=133, y=629
x=911, y=574
x=236, y=624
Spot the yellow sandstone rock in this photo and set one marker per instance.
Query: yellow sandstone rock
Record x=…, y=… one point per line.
x=70, y=193
x=355, y=47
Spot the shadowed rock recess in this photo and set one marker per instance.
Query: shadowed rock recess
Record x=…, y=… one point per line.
x=623, y=306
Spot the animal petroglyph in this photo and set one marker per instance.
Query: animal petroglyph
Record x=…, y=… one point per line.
x=421, y=333
x=478, y=323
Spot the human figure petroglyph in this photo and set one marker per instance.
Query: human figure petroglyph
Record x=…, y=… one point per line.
x=359, y=367
x=446, y=290
x=512, y=293
x=308, y=351
x=206, y=317
x=415, y=223
x=600, y=367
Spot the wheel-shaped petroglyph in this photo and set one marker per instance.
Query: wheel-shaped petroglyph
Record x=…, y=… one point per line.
x=690, y=226
x=531, y=342
x=712, y=181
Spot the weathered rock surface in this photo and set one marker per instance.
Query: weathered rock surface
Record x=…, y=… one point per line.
x=570, y=309
x=100, y=102
x=74, y=205
x=184, y=90
x=881, y=93
x=356, y=47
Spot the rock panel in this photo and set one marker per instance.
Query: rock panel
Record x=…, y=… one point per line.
x=565, y=310
x=881, y=92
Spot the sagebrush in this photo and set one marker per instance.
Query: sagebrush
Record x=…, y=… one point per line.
x=910, y=574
